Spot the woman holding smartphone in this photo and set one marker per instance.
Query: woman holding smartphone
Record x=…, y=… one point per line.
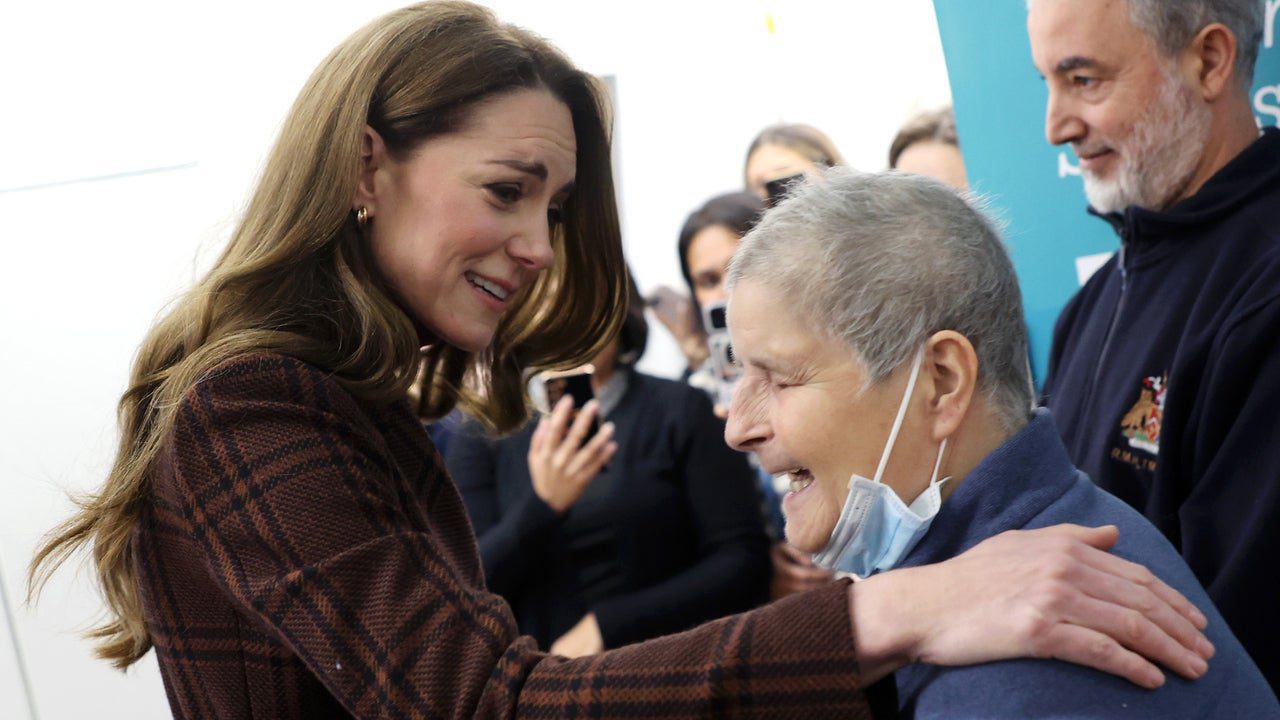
x=278, y=527
x=666, y=536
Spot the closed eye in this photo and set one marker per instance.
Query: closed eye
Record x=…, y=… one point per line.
x=777, y=381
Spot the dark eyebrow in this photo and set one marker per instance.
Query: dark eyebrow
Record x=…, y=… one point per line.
x=535, y=169
x=1075, y=62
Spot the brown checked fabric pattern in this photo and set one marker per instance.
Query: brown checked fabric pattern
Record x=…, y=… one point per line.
x=306, y=556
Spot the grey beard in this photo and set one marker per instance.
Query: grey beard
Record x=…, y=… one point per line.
x=1161, y=154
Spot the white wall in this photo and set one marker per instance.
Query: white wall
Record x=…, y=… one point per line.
x=175, y=104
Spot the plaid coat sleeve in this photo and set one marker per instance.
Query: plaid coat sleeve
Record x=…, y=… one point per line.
x=332, y=529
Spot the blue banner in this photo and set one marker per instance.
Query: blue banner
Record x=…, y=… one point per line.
x=1035, y=187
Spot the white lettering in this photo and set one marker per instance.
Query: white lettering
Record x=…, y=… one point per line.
x=1269, y=34
x=1065, y=168
x=1260, y=104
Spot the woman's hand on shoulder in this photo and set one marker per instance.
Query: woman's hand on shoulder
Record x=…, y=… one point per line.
x=1049, y=593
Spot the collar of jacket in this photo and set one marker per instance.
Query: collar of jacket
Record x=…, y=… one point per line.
x=1009, y=487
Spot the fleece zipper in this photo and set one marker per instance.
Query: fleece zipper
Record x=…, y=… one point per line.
x=1101, y=363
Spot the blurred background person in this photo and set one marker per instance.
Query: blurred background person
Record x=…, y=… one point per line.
x=928, y=145
x=709, y=238
x=665, y=537
x=781, y=152
x=707, y=241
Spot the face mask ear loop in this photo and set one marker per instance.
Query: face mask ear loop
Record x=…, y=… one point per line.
x=938, y=465
x=902, y=413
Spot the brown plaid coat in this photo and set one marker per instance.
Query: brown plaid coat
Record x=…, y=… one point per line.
x=306, y=556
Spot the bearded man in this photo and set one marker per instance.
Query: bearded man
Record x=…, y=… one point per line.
x=1182, y=326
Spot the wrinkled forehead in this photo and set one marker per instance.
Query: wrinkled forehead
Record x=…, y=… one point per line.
x=766, y=323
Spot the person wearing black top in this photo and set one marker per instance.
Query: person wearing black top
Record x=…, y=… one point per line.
x=667, y=536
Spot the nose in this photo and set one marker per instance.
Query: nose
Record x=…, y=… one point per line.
x=747, y=428
x=531, y=248
x=1061, y=123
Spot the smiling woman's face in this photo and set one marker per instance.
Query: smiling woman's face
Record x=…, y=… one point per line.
x=464, y=223
x=800, y=406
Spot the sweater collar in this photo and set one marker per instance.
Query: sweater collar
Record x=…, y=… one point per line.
x=610, y=394
x=1016, y=482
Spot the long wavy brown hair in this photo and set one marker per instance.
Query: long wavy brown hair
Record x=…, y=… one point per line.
x=296, y=277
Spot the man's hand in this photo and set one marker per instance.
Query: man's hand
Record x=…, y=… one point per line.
x=582, y=639
x=1048, y=593
x=560, y=465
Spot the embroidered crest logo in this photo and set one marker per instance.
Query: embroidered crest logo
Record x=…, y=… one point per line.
x=1141, y=425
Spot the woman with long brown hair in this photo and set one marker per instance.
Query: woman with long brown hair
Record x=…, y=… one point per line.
x=278, y=527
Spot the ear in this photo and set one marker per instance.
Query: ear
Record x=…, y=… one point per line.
x=1211, y=61
x=950, y=372
x=373, y=157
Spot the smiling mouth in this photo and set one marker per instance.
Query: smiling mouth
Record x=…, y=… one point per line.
x=1093, y=155
x=800, y=479
x=497, y=291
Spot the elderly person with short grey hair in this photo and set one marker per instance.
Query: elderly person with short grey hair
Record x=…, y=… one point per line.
x=879, y=323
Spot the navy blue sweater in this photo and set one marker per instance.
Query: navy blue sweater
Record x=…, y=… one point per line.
x=1165, y=381
x=668, y=537
x=1029, y=482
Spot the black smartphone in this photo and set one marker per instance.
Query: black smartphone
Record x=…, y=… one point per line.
x=775, y=190
x=714, y=318
x=577, y=386
x=574, y=383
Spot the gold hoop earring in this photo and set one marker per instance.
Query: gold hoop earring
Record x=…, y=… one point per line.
x=362, y=218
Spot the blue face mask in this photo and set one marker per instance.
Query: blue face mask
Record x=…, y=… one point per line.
x=876, y=529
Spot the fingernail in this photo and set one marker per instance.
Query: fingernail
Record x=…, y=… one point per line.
x=1205, y=648
x=1155, y=679
x=1201, y=622
x=1197, y=665
x=607, y=427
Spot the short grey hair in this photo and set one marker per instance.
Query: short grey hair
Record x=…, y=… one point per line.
x=1171, y=25
x=882, y=261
